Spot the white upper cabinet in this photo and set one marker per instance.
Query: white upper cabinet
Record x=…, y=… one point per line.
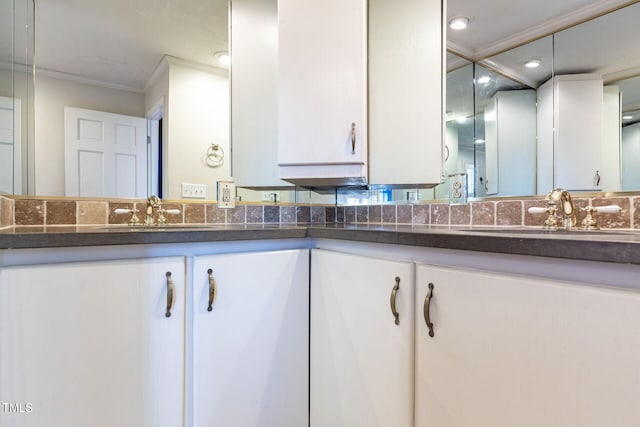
x=406, y=81
x=580, y=109
x=254, y=106
x=322, y=90
x=360, y=92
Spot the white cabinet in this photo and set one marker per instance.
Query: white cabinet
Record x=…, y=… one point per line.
x=341, y=75
x=630, y=156
x=510, y=143
x=578, y=156
x=250, y=343
x=254, y=110
x=322, y=90
x=406, y=80
x=518, y=351
x=89, y=343
x=361, y=360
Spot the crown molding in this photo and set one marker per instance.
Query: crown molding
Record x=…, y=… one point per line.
x=44, y=72
x=549, y=27
x=173, y=60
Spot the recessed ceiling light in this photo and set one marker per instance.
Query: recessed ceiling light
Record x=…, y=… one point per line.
x=627, y=117
x=483, y=80
x=458, y=23
x=532, y=63
x=223, y=58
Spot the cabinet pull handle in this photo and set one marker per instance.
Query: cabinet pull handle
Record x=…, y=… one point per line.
x=212, y=289
x=170, y=291
x=394, y=292
x=596, y=179
x=353, y=138
x=425, y=309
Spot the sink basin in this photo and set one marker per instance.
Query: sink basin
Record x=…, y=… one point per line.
x=167, y=227
x=545, y=232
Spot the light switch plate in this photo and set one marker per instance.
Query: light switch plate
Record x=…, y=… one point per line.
x=194, y=191
x=226, y=194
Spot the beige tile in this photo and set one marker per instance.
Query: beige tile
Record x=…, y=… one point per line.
x=483, y=213
x=29, y=212
x=92, y=212
x=214, y=215
x=440, y=214
x=194, y=213
x=509, y=213
x=60, y=212
x=6, y=212
x=619, y=220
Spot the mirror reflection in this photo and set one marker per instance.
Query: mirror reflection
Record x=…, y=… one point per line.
x=109, y=75
x=583, y=81
x=144, y=59
x=16, y=94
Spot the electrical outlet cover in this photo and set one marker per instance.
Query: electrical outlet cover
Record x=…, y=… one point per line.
x=226, y=194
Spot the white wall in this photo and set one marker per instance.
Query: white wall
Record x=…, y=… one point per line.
x=52, y=96
x=197, y=115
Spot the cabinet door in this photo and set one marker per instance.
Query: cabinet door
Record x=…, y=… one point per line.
x=322, y=88
x=406, y=77
x=250, y=351
x=88, y=344
x=517, y=351
x=361, y=360
x=578, y=124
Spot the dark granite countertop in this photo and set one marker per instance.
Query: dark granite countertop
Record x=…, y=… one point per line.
x=605, y=245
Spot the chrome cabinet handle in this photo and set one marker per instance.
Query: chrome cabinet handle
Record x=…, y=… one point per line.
x=212, y=289
x=394, y=293
x=353, y=138
x=596, y=178
x=170, y=291
x=425, y=309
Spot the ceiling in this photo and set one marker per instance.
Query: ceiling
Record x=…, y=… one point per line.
x=121, y=42
x=499, y=25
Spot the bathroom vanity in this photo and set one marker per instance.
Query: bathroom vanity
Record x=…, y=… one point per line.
x=281, y=325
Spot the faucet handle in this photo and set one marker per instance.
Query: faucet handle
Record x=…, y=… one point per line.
x=589, y=222
x=551, y=222
x=162, y=219
x=537, y=210
x=134, y=220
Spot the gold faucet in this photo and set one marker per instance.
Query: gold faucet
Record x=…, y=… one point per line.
x=153, y=206
x=561, y=200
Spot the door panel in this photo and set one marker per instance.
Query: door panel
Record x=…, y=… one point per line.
x=105, y=154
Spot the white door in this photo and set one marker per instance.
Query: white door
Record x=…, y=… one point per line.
x=251, y=348
x=361, y=360
x=89, y=344
x=519, y=351
x=105, y=154
x=10, y=146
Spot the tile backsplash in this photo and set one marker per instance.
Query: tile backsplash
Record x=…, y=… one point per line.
x=26, y=211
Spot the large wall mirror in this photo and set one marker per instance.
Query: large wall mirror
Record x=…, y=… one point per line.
x=156, y=61
x=16, y=95
x=105, y=69
x=551, y=108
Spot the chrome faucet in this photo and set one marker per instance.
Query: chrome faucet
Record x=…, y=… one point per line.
x=561, y=200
